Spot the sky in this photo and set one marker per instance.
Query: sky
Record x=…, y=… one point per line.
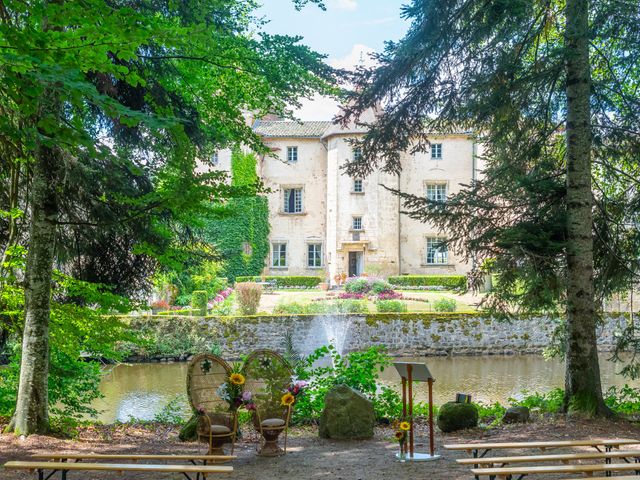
x=346, y=32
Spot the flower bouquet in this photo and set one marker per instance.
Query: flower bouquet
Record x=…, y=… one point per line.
x=292, y=393
x=401, y=437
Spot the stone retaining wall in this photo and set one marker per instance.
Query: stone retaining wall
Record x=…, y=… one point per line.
x=176, y=338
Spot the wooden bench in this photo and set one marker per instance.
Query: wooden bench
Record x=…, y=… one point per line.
x=64, y=467
x=561, y=458
x=475, y=448
x=524, y=470
x=78, y=457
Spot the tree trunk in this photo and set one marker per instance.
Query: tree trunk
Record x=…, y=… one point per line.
x=32, y=406
x=583, y=391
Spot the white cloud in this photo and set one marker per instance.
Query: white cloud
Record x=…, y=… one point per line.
x=343, y=4
x=359, y=54
x=325, y=108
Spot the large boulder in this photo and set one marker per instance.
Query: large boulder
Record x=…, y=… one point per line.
x=516, y=415
x=454, y=416
x=347, y=414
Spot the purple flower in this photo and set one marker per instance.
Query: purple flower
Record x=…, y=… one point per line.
x=246, y=396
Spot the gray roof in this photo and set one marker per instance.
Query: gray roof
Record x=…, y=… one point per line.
x=289, y=129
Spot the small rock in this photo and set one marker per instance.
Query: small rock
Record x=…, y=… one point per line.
x=516, y=415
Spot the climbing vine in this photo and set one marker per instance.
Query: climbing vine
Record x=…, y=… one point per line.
x=241, y=233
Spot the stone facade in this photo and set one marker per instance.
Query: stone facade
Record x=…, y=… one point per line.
x=402, y=334
x=348, y=225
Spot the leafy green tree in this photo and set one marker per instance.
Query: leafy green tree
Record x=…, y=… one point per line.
x=550, y=88
x=151, y=85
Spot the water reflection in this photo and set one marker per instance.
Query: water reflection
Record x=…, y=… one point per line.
x=142, y=390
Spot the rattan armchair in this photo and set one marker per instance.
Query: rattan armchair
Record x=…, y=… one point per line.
x=217, y=423
x=268, y=375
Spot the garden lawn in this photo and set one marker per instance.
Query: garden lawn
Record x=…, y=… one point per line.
x=465, y=302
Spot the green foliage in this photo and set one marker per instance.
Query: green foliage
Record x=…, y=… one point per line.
x=325, y=368
x=321, y=308
x=624, y=400
x=452, y=282
x=248, y=297
x=240, y=231
x=550, y=402
x=445, y=305
x=81, y=337
x=199, y=300
x=357, y=285
x=391, y=306
x=284, y=281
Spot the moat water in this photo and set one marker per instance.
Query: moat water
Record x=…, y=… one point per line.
x=143, y=390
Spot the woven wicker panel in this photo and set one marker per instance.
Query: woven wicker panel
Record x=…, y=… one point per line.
x=205, y=375
x=268, y=375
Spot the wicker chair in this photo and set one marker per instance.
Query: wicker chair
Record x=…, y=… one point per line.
x=217, y=424
x=267, y=377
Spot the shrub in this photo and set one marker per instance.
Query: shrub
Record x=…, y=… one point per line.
x=350, y=306
x=454, y=282
x=248, y=296
x=445, y=305
x=285, y=281
x=391, y=306
x=380, y=286
x=199, y=302
x=357, y=285
x=161, y=304
x=293, y=308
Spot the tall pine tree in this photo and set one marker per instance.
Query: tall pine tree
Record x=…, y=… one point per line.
x=550, y=88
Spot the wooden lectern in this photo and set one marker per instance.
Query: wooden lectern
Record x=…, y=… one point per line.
x=416, y=372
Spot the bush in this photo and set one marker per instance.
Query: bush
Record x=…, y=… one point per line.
x=248, y=296
x=199, y=300
x=380, y=286
x=391, y=306
x=445, y=305
x=285, y=281
x=453, y=282
x=357, y=285
x=293, y=308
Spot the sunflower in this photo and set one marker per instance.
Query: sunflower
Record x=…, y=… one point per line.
x=236, y=378
x=400, y=435
x=405, y=426
x=287, y=400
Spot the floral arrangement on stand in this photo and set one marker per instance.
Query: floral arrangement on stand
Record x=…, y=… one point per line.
x=293, y=391
x=400, y=436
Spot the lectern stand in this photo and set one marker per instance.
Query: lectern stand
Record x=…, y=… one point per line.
x=416, y=372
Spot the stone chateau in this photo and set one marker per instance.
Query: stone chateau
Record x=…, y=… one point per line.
x=324, y=222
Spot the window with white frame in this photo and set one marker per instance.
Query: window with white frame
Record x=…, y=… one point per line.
x=215, y=158
x=279, y=255
x=437, y=253
x=436, y=151
x=357, y=154
x=314, y=255
x=292, y=154
x=357, y=185
x=436, y=191
x=356, y=223
x=292, y=200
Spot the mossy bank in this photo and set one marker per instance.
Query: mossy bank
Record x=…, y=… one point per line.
x=404, y=334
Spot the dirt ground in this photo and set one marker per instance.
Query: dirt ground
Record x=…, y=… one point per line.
x=309, y=457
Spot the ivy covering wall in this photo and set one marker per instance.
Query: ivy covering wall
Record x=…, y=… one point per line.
x=240, y=235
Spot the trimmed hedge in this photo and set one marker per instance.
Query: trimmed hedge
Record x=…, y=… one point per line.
x=199, y=301
x=285, y=280
x=447, y=281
